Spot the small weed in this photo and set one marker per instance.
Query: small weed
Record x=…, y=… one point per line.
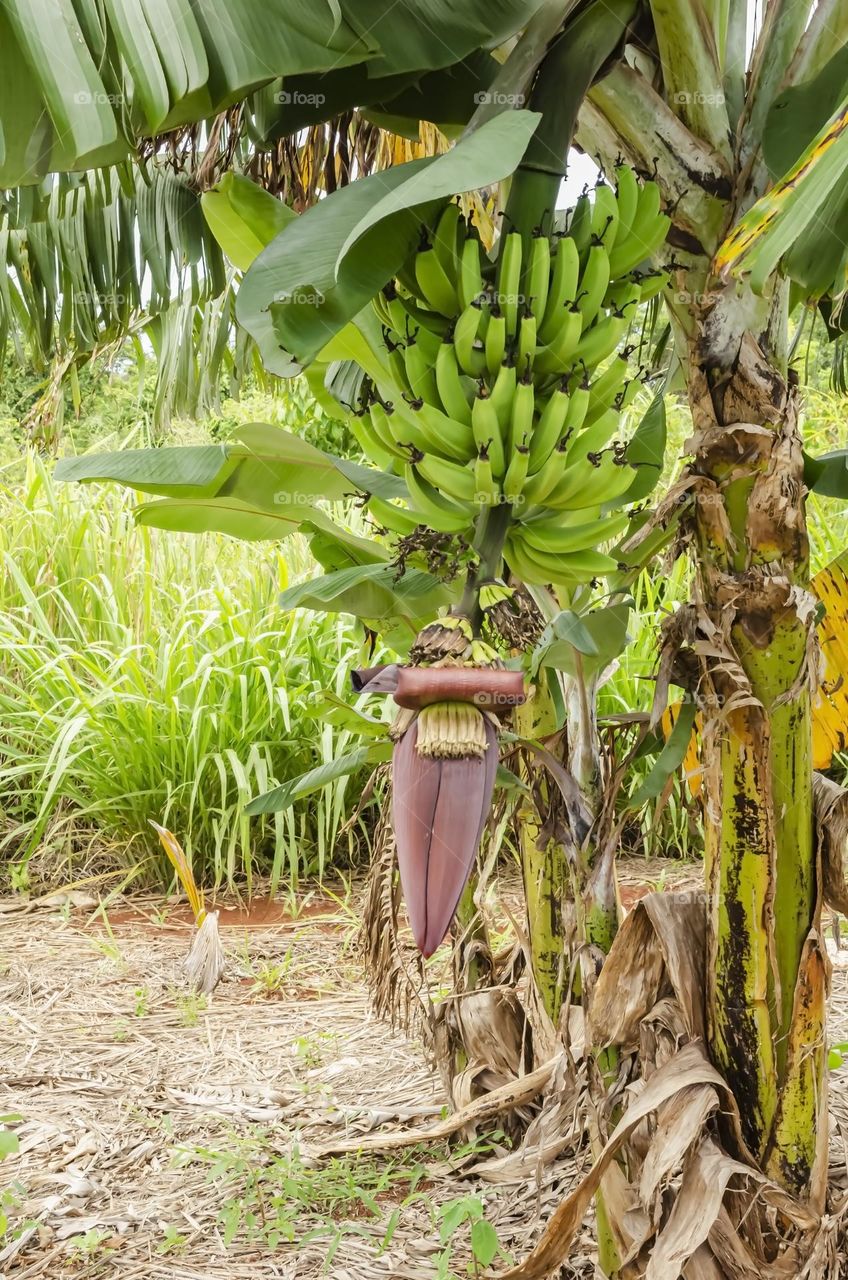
x=273, y=1199
x=142, y=1002
x=190, y=1005
x=19, y=877
x=467, y=1211
x=172, y=1240
x=8, y=1138
x=91, y=1243
x=269, y=978
x=108, y=947
x=12, y=1200
x=310, y=1050
x=837, y=1055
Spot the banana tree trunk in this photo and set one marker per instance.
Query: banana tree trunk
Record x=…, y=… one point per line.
x=751, y=628
x=544, y=865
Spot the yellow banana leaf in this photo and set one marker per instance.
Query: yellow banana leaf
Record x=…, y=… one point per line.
x=692, y=767
x=182, y=867
x=830, y=705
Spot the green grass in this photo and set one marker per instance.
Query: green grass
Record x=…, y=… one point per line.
x=147, y=675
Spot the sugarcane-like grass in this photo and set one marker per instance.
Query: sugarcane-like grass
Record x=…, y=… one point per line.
x=153, y=676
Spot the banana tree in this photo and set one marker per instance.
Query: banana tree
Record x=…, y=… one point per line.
x=748, y=157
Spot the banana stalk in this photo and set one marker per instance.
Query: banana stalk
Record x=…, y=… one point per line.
x=544, y=866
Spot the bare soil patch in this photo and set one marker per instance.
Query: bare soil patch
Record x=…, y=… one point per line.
x=170, y=1137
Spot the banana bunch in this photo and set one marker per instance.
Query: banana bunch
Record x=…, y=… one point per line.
x=507, y=384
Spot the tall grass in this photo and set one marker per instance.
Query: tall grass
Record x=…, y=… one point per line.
x=147, y=675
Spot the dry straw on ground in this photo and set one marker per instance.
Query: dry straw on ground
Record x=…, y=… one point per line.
x=150, y=1115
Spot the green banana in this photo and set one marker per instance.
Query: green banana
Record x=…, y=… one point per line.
x=577, y=407
x=580, y=225
x=397, y=367
x=550, y=534
x=621, y=293
x=516, y=474
x=537, y=432
x=402, y=427
x=441, y=513
x=493, y=593
x=509, y=280
x=445, y=240
x=558, y=356
x=651, y=283
x=586, y=483
x=566, y=566
x=450, y=386
x=563, y=286
x=648, y=232
x=419, y=372
x=522, y=410
x=536, y=567
x=380, y=428
x=604, y=220
x=526, y=348
x=549, y=428
x=486, y=490
x=448, y=477
x=435, y=286
x=380, y=303
x=470, y=356
x=537, y=277
x=627, y=196
x=601, y=340
x=369, y=441
x=595, y=438
x=546, y=479
x=487, y=430
x=470, y=283
x=594, y=283
x=628, y=393
x=604, y=388
x=503, y=392
x=441, y=435
x=396, y=519
x=409, y=319
x=495, y=339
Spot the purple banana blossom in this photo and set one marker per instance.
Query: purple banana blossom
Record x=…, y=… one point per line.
x=439, y=809
x=440, y=803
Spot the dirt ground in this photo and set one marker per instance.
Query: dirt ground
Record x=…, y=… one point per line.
x=171, y=1137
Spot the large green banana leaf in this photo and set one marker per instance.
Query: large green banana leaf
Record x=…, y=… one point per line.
x=324, y=268
x=262, y=465
x=80, y=82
